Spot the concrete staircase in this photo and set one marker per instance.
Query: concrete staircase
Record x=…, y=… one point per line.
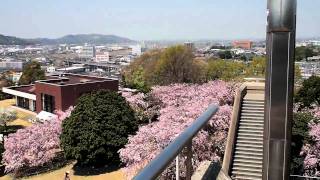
x=243, y=158
x=248, y=153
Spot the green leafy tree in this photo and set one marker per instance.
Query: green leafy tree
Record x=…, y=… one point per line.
x=225, y=70
x=174, y=65
x=303, y=52
x=309, y=93
x=225, y=54
x=4, y=82
x=257, y=67
x=97, y=128
x=139, y=82
x=140, y=74
x=31, y=73
x=297, y=74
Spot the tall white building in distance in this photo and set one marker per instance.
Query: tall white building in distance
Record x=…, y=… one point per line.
x=87, y=52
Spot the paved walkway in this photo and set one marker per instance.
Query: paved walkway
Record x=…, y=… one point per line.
x=59, y=175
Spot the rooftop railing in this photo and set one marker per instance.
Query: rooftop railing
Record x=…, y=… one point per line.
x=164, y=159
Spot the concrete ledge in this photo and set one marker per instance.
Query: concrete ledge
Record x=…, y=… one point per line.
x=13, y=92
x=223, y=176
x=207, y=171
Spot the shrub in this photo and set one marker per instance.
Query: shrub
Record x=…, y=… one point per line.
x=33, y=146
x=97, y=128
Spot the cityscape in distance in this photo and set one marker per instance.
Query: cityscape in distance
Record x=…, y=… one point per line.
x=163, y=90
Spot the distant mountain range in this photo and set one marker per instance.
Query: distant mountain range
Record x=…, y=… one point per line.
x=68, y=39
x=10, y=40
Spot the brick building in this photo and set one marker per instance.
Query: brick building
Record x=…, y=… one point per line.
x=242, y=44
x=57, y=92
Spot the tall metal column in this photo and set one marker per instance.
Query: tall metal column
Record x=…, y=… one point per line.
x=279, y=88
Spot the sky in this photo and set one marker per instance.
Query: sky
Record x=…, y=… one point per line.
x=149, y=19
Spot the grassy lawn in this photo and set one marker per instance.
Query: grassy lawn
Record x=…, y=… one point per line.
x=59, y=175
x=22, y=116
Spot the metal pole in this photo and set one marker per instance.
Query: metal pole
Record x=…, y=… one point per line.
x=279, y=88
x=189, y=161
x=177, y=168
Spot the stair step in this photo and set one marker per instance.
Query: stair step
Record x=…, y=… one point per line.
x=251, y=117
x=247, y=169
x=244, y=134
x=249, y=149
x=246, y=101
x=250, y=131
x=259, y=105
x=253, y=111
x=248, y=157
x=247, y=161
x=250, y=127
x=253, y=114
x=250, y=142
x=249, y=145
x=253, y=105
x=251, y=99
x=240, y=164
x=259, y=175
x=250, y=138
x=253, y=108
x=248, y=153
x=240, y=177
x=250, y=123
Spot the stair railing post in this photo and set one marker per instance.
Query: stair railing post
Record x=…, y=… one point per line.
x=177, y=168
x=189, y=161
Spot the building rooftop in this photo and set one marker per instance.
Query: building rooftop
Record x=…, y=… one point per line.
x=30, y=89
x=58, y=80
x=68, y=79
x=69, y=68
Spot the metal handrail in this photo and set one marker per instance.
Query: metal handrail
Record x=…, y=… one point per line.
x=163, y=160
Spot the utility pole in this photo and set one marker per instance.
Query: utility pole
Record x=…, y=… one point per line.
x=280, y=44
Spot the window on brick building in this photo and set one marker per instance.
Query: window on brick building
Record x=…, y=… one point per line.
x=48, y=103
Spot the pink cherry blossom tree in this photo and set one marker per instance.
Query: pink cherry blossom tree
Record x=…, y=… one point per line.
x=311, y=151
x=181, y=104
x=35, y=145
x=146, y=106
